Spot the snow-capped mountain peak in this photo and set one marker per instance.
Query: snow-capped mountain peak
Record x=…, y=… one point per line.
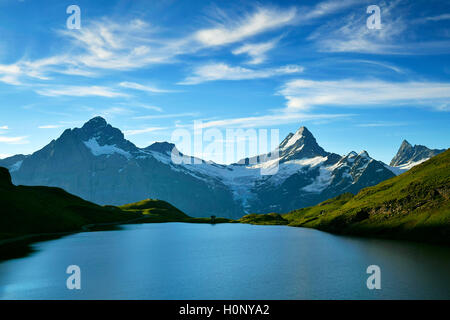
x=364, y=154
x=409, y=156
x=100, y=136
x=97, y=163
x=95, y=124
x=298, y=139
x=300, y=145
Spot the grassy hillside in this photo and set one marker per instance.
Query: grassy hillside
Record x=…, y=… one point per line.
x=414, y=205
x=162, y=211
x=264, y=219
x=27, y=210
x=30, y=214
x=35, y=210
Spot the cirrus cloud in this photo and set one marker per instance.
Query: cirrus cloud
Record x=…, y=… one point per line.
x=222, y=71
x=13, y=140
x=238, y=29
x=302, y=94
x=80, y=91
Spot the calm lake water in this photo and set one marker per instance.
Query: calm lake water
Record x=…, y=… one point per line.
x=226, y=261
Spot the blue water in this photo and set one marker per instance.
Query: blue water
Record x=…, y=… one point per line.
x=226, y=261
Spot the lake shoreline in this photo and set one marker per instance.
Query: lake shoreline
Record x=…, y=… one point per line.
x=17, y=247
x=22, y=246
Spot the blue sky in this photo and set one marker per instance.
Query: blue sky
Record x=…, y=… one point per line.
x=150, y=67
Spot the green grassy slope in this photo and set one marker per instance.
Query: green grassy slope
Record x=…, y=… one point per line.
x=162, y=211
x=27, y=210
x=35, y=210
x=264, y=219
x=414, y=205
x=30, y=214
x=155, y=208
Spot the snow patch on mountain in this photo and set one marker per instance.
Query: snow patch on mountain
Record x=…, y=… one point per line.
x=98, y=150
x=242, y=178
x=321, y=182
x=405, y=167
x=16, y=166
x=293, y=139
x=291, y=167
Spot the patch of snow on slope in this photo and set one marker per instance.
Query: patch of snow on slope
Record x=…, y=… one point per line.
x=97, y=150
x=288, y=168
x=404, y=167
x=292, y=140
x=242, y=178
x=409, y=165
x=322, y=181
x=16, y=166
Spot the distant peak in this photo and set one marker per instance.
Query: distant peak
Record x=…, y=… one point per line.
x=406, y=143
x=352, y=154
x=410, y=154
x=97, y=128
x=299, y=145
x=364, y=153
x=163, y=147
x=303, y=131
x=97, y=119
x=95, y=123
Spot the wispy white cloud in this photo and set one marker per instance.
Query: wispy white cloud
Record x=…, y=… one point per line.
x=133, y=104
x=50, y=126
x=378, y=124
x=327, y=7
x=231, y=29
x=114, y=111
x=377, y=63
x=4, y=128
x=222, y=71
x=106, y=44
x=445, y=16
x=445, y=106
x=235, y=29
x=141, y=87
x=257, y=51
x=10, y=74
x=35, y=69
x=269, y=120
x=80, y=91
x=103, y=44
x=304, y=94
x=166, y=116
x=13, y=140
x=397, y=35
x=148, y=107
x=352, y=35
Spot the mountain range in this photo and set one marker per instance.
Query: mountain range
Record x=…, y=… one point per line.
x=409, y=156
x=97, y=163
x=414, y=205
